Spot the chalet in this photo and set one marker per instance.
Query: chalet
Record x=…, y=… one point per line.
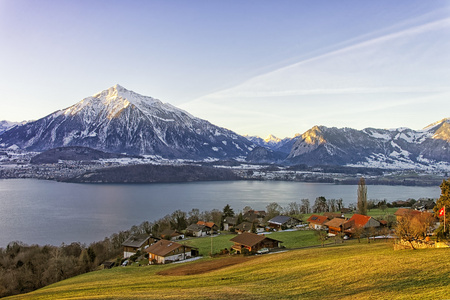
x=335, y=226
x=165, y=251
x=210, y=226
x=229, y=222
x=244, y=227
x=317, y=222
x=248, y=227
x=282, y=222
x=402, y=212
x=254, y=216
x=172, y=235
x=424, y=205
x=253, y=242
x=360, y=221
x=196, y=230
x=137, y=242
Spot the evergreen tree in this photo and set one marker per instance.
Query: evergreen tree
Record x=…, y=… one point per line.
x=362, y=197
x=444, y=200
x=228, y=211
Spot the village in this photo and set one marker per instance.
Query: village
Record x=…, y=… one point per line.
x=251, y=233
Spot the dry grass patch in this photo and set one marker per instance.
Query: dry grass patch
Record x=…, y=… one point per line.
x=205, y=266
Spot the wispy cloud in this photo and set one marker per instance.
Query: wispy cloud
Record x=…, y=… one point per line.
x=372, y=81
x=279, y=83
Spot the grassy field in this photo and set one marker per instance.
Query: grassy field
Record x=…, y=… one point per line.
x=347, y=271
x=290, y=239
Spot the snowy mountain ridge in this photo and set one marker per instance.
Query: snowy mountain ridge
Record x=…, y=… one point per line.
x=381, y=148
x=274, y=143
x=121, y=121
x=6, y=125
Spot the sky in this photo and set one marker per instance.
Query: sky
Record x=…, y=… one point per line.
x=255, y=67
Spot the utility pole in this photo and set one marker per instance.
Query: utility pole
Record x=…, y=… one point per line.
x=211, y=243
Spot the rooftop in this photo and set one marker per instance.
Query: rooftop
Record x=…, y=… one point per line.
x=336, y=222
x=164, y=247
x=279, y=220
x=136, y=241
x=250, y=239
x=316, y=219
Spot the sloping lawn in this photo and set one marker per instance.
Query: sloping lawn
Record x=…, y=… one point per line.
x=348, y=271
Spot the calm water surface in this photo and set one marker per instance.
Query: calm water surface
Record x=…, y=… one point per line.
x=48, y=212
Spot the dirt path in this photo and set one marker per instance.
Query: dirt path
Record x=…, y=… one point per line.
x=205, y=266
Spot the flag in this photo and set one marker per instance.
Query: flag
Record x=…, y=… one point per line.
x=442, y=212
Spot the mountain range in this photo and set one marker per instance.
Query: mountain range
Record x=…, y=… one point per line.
x=382, y=148
x=121, y=121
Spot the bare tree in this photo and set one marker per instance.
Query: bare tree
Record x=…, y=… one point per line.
x=320, y=205
x=273, y=210
x=293, y=209
x=357, y=232
x=305, y=207
x=339, y=204
x=412, y=228
x=321, y=236
x=193, y=216
x=362, y=197
x=332, y=205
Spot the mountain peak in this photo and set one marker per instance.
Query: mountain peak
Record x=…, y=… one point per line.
x=437, y=124
x=314, y=136
x=121, y=121
x=272, y=139
x=118, y=93
x=119, y=87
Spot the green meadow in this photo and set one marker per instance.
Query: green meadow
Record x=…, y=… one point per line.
x=290, y=239
x=347, y=271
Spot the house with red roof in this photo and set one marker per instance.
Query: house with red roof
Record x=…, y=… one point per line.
x=402, y=212
x=360, y=221
x=210, y=226
x=317, y=222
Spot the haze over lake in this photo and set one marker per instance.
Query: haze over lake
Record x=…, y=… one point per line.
x=49, y=212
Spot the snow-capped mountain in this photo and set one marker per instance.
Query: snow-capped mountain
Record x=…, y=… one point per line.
x=274, y=143
x=5, y=125
x=121, y=121
x=394, y=148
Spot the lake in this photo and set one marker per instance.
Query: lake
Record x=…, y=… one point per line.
x=48, y=212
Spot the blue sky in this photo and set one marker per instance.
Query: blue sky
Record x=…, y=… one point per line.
x=255, y=67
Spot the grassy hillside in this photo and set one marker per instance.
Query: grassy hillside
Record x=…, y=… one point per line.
x=349, y=271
